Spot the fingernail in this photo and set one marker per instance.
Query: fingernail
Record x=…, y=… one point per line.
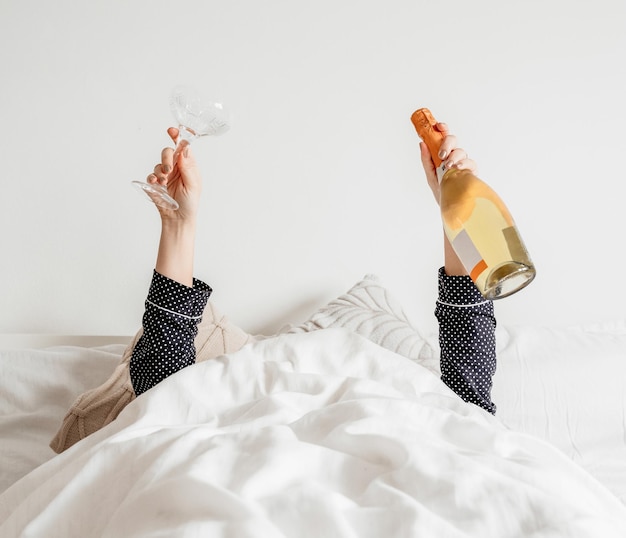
x=442, y=153
x=166, y=168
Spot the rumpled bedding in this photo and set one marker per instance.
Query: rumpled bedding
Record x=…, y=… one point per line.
x=309, y=435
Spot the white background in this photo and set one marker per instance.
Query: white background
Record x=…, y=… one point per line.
x=319, y=180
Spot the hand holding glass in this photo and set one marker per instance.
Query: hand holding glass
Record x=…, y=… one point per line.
x=197, y=115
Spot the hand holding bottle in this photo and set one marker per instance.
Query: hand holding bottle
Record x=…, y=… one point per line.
x=455, y=157
x=452, y=155
x=479, y=227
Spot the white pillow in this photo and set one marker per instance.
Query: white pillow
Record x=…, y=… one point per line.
x=568, y=386
x=370, y=310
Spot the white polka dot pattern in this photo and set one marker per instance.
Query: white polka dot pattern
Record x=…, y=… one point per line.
x=466, y=335
x=467, y=339
x=170, y=324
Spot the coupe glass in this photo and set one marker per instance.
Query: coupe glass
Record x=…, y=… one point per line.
x=197, y=115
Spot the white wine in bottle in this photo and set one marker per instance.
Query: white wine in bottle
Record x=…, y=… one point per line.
x=477, y=223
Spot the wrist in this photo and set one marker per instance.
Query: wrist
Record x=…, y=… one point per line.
x=178, y=226
x=452, y=263
x=176, y=250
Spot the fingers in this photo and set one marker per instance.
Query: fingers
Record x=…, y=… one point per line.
x=162, y=170
x=180, y=147
x=459, y=159
x=466, y=164
x=165, y=167
x=451, y=155
x=167, y=160
x=442, y=128
x=455, y=156
x=447, y=146
x=157, y=177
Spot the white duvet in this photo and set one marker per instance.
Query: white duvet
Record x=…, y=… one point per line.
x=323, y=435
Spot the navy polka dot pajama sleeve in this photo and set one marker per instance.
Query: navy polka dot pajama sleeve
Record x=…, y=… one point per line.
x=466, y=335
x=467, y=339
x=170, y=325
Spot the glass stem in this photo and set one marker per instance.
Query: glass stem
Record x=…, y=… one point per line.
x=184, y=135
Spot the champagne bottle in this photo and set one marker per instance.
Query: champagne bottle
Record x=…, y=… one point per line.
x=477, y=223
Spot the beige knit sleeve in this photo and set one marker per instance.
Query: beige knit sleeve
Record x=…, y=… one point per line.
x=98, y=407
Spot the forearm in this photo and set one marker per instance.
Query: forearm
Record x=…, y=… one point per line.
x=175, y=257
x=178, y=170
x=173, y=309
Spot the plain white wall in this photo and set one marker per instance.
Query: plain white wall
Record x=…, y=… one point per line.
x=319, y=180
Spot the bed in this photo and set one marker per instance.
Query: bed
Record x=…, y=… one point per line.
x=337, y=426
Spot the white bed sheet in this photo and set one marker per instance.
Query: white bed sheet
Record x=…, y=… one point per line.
x=320, y=434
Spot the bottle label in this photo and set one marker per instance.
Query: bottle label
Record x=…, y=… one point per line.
x=469, y=255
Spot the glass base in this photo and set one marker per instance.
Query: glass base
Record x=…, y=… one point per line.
x=157, y=194
x=507, y=279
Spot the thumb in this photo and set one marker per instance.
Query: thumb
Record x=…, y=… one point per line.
x=173, y=132
x=427, y=161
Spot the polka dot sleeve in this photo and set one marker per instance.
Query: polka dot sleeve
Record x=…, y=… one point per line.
x=170, y=325
x=467, y=339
